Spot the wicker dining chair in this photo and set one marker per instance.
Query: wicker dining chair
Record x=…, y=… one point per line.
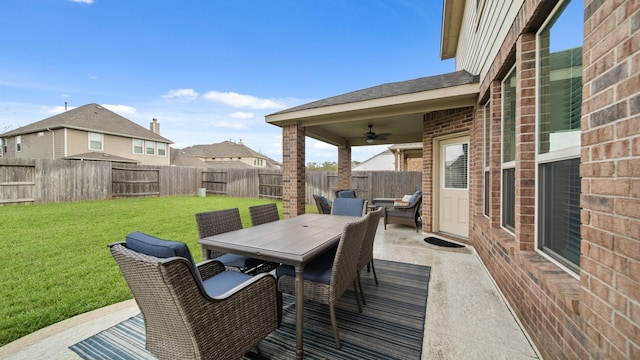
x=323, y=205
x=261, y=214
x=216, y=222
x=195, y=311
x=365, y=258
x=349, y=206
x=328, y=276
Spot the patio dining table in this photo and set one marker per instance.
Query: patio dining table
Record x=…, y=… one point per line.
x=294, y=241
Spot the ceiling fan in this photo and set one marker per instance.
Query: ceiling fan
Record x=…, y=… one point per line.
x=370, y=136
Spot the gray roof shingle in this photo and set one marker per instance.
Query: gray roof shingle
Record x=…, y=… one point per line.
x=91, y=117
x=392, y=89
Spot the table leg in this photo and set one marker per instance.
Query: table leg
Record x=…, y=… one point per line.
x=299, y=311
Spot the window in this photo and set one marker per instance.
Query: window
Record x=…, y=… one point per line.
x=162, y=149
x=137, y=146
x=18, y=143
x=456, y=166
x=558, y=135
x=151, y=147
x=95, y=141
x=509, y=150
x=485, y=162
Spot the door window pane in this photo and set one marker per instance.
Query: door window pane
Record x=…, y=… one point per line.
x=455, y=166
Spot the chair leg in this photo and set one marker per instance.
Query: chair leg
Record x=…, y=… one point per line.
x=374, y=271
x=334, y=324
x=355, y=290
x=364, y=302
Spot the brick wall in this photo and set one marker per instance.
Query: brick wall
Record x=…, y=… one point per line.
x=293, y=170
x=596, y=316
x=610, y=170
x=436, y=124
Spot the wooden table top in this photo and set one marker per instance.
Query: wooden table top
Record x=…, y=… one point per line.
x=293, y=241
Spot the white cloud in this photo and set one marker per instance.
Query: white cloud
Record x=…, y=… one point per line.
x=121, y=109
x=83, y=1
x=242, y=115
x=230, y=125
x=92, y=77
x=241, y=100
x=188, y=94
x=55, y=110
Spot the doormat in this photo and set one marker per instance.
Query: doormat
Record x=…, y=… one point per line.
x=439, y=242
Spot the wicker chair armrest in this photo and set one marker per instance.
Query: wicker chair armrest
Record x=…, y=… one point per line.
x=210, y=268
x=245, y=286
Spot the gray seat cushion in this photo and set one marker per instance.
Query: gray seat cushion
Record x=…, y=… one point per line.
x=318, y=270
x=346, y=194
x=238, y=261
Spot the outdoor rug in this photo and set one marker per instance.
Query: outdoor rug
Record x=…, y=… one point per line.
x=391, y=325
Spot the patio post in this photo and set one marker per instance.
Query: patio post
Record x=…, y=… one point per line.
x=344, y=166
x=293, y=170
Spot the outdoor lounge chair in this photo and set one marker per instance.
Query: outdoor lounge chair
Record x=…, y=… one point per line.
x=323, y=204
x=365, y=258
x=261, y=214
x=328, y=276
x=195, y=311
x=216, y=222
x=404, y=214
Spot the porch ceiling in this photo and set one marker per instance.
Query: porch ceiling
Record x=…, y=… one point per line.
x=396, y=108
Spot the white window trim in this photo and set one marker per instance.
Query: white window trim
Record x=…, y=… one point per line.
x=552, y=156
x=146, y=142
x=19, y=142
x=486, y=162
x=133, y=146
x=101, y=141
x=158, y=149
x=508, y=164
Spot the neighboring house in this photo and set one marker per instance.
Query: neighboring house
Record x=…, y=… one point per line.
x=228, y=155
x=379, y=162
x=88, y=132
x=547, y=119
x=407, y=157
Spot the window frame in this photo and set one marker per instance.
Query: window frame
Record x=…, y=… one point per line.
x=506, y=165
x=146, y=147
x=164, y=149
x=91, y=141
x=133, y=146
x=19, y=143
x=486, y=155
x=549, y=157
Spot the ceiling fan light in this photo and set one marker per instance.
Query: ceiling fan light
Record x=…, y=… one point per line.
x=370, y=141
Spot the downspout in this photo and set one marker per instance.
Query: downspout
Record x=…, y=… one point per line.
x=53, y=144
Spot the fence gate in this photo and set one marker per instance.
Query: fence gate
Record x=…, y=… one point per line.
x=135, y=182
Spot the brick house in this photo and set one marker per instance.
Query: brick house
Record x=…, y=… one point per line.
x=88, y=132
x=543, y=109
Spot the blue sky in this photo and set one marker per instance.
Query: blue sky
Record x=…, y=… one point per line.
x=209, y=71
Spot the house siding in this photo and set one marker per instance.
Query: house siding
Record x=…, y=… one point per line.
x=593, y=314
x=482, y=33
x=78, y=143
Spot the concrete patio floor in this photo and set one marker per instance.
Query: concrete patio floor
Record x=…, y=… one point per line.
x=466, y=316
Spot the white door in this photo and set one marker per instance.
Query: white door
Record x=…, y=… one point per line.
x=454, y=187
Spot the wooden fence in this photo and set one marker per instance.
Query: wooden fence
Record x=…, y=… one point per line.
x=45, y=181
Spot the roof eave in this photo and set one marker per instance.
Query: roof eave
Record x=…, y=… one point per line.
x=452, y=16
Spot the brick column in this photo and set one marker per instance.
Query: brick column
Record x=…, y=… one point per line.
x=525, y=140
x=293, y=176
x=344, y=166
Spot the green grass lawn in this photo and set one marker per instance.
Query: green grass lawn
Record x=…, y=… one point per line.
x=56, y=263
